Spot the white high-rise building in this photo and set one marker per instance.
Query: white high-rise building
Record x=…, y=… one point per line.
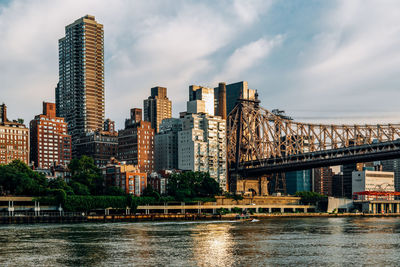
x=201, y=100
x=202, y=145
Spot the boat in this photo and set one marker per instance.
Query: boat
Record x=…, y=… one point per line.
x=255, y=220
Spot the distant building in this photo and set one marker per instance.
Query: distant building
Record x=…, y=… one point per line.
x=298, y=181
x=14, y=139
x=50, y=143
x=80, y=90
x=220, y=101
x=136, y=142
x=372, y=181
x=337, y=185
x=125, y=176
x=99, y=145
x=157, y=107
x=348, y=176
x=233, y=92
x=322, y=180
x=158, y=182
x=109, y=126
x=393, y=165
x=201, y=100
x=202, y=146
x=166, y=145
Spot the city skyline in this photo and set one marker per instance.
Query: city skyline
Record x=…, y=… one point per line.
x=327, y=69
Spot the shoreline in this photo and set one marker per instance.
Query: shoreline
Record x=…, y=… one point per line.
x=173, y=217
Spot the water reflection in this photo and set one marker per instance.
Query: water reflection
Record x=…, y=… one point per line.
x=271, y=242
x=212, y=245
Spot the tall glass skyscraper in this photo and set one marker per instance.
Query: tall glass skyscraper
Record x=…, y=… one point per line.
x=298, y=181
x=80, y=90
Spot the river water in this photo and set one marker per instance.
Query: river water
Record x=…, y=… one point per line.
x=270, y=242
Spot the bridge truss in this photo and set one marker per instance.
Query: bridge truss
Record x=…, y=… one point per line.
x=260, y=142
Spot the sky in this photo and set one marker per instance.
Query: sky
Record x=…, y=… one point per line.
x=320, y=61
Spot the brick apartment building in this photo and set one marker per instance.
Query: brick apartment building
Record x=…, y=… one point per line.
x=127, y=177
x=136, y=142
x=14, y=139
x=50, y=142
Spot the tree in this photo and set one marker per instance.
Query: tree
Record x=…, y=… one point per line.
x=17, y=178
x=192, y=184
x=114, y=191
x=85, y=172
x=150, y=192
x=61, y=184
x=310, y=198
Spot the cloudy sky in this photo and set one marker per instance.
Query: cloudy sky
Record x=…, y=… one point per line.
x=321, y=61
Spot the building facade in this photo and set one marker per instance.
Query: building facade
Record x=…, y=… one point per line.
x=201, y=100
x=322, y=180
x=125, y=176
x=99, y=145
x=298, y=181
x=232, y=92
x=157, y=107
x=166, y=145
x=80, y=90
x=158, y=181
x=202, y=146
x=372, y=181
x=14, y=139
x=393, y=165
x=50, y=143
x=136, y=142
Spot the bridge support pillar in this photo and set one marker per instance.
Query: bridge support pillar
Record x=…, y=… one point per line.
x=256, y=210
x=183, y=207
x=398, y=208
x=269, y=210
x=263, y=185
x=373, y=208
x=165, y=208
x=282, y=210
x=11, y=208
x=294, y=209
x=390, y=208
x=305, y=210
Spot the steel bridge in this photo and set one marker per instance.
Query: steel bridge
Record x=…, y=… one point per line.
x=261, y=143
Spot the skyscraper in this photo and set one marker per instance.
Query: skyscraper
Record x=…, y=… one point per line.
x=226, y=96
x=80, y=90
x=157, y=107
x=201, y=100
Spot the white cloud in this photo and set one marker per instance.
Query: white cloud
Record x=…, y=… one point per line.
x=248, y=11
x=247, y=56
x=168, y=43
x=353, y=61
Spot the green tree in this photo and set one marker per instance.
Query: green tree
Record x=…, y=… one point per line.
x=150, y=192
x=61, y=184
x=17, y=178
x=114, y=191
x=310, y=198
x=80, y=189
x=85, y=172
x=191, y=185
